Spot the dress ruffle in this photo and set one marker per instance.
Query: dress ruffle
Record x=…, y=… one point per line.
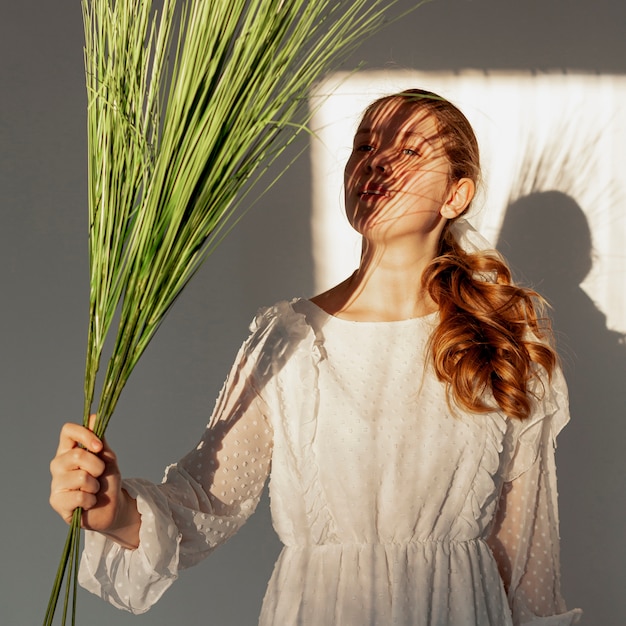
x=305, y=352
x=485, y=490
x=551, y=410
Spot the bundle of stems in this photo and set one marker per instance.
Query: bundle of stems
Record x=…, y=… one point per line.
x=187, y=107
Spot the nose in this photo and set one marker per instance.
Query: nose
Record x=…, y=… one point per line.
x=378, y=162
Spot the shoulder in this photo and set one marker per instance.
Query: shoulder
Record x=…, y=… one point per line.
x=285, y=315
x=279, y=331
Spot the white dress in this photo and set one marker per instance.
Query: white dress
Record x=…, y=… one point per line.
x=393, y=507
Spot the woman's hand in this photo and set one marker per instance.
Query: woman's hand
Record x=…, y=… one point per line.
x=85, y=474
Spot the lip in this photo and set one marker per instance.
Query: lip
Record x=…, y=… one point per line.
x=374, y=190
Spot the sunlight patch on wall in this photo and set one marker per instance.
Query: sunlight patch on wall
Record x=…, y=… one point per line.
x=553, y=151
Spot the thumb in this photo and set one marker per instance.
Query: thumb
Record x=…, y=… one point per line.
x=106, y=454
x=91, y=424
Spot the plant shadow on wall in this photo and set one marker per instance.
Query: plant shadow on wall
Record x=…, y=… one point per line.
x=547, y=240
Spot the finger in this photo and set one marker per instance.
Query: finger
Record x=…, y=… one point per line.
x=77, y=459
x=64, y=503
x=78, y=480
x=73, y=435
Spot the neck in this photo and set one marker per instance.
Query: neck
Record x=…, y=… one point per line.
x=387, y=285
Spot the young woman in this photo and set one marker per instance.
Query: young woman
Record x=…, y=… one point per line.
x=409, y=415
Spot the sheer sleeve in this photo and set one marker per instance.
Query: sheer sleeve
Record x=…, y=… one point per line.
x=203, y=500
x=525, y=536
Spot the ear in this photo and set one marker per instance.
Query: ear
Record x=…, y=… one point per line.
x=460, y=195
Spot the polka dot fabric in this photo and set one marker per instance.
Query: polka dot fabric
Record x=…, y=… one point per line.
x=393, y=507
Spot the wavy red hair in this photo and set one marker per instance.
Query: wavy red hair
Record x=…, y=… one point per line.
x=491, y=336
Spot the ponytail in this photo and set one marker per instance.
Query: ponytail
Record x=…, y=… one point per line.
x=491, y=336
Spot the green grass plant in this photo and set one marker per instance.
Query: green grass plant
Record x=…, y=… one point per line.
x=188, y=105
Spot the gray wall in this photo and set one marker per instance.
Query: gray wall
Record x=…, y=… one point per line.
x=43, y=258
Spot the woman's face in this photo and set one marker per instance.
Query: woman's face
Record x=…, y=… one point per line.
x=397, y=177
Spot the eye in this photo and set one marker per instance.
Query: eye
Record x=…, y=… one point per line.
x=410, y=152
x=364, y=148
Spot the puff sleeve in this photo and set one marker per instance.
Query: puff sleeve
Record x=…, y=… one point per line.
x=203, y=500
x=525, y=535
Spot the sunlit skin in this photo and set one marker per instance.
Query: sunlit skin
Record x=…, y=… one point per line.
x=398, y=196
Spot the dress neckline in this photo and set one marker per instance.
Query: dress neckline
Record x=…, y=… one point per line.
x=320, y=312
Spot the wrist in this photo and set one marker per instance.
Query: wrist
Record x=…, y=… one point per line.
x=125, y=528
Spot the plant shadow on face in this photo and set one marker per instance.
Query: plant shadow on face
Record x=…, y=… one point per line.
x=398, y=159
